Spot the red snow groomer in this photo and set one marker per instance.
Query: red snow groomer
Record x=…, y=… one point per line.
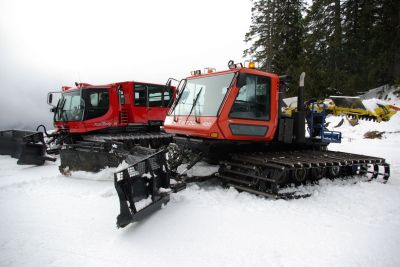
x=97, y=125
x=233, y=119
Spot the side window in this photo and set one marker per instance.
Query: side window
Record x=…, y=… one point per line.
x=103, y=100
x=94, y=100
x=140, y=95
x=155, y=95
x=168, y=96
x=97, y=103
x=253, y=99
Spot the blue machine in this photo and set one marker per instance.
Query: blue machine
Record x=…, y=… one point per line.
x=316, y=119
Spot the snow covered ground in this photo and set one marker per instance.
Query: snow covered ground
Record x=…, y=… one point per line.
x=50, y=220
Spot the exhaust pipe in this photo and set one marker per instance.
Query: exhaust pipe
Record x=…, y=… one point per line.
x=300, y=117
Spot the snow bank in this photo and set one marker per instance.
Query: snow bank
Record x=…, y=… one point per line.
x=106, y=174
x=387, y=94
x=391, y=127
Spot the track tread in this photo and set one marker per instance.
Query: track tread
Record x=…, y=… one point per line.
x=261, y=173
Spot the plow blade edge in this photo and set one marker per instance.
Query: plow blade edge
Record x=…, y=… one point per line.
x=26, y=146
x=142, y=187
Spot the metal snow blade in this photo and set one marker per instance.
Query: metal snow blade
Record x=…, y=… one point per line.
x=94, y=155
x=91, y=156
x=26, y=146
x=142, y=187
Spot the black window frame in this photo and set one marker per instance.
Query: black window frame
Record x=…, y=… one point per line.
x=136, y=99
x=166, y=90
x=241, y=83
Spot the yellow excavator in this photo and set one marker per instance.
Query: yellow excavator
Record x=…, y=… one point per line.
x=351, y=108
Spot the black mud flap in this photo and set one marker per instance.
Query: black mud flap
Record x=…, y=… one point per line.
x=26, y=146
x=142, y=187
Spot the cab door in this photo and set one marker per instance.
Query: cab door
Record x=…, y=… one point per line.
x=250, y=115
x=159, y=101
x=140, y=113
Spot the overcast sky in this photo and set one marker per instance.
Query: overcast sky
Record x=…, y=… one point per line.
x=45, y=44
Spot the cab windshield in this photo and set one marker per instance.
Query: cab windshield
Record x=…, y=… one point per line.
x=84, y=104
x=203, y=96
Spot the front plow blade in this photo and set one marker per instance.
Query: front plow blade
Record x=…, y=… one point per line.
x=26, y=146
x=95, y=156
x=142, y=188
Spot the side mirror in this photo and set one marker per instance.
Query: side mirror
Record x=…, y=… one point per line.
x=50, y=99
x=170, y=80
x=53, y=98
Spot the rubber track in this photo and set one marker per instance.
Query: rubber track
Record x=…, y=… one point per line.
x=127, y=136
x=247, y=171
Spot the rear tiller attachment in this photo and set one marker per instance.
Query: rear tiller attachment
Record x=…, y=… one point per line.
x=26, y=146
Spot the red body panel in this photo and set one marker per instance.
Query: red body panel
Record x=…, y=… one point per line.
x=189, y=127
x=218, y=127
x=118, y=114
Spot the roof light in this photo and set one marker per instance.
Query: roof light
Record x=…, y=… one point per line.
x=251, y=64
x=195, y=72
x=209, y=70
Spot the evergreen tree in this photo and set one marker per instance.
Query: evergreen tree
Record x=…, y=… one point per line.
x=344, y=46
x=385, y=44
x=288, y=36
x=276, y=35
x=261, y=33
x=323, y=48
x=370, y=44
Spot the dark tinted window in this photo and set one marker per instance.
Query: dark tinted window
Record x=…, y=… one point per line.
x=155, y=95
x=140, y=95
x=96, y=102
x=253, y=99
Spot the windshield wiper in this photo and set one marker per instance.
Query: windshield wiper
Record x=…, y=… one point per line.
x=194, y=104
